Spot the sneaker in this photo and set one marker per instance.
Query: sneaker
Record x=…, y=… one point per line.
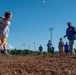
x=6, y=53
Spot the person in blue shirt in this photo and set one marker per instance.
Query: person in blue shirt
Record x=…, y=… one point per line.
x=66, y=48
x=71, y=36
x=49, y=46
x=52, y=49
x=40, y=49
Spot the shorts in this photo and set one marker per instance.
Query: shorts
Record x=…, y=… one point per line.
x=3, y=40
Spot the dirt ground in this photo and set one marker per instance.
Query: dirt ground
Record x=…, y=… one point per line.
x=38, y=65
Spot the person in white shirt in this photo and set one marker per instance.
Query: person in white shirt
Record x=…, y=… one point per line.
x=4, y=30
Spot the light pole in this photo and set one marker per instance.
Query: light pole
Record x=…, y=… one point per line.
x=51, y=29
x=29, y=46
x=24, y=46
x=34, y=46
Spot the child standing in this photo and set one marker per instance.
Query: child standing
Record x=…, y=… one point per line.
x=49, y=46
x=66, y=48
x=4, y=30
x=52, y=50
x=61, y=46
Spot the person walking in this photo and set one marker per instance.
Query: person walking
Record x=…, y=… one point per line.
x=71, y=36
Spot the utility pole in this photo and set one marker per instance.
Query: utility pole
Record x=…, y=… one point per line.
x=29, y=46
x=51, y=29
x=34, y=46
x=24, y=46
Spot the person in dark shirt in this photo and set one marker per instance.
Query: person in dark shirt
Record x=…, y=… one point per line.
x=49, y=46
x=71, y=36
x=66, y=48
x=52, y=50
x=40, y=49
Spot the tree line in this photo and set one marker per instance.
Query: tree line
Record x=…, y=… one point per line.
x=25, y=52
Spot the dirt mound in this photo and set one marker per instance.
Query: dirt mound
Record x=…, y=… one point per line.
x=38, y=65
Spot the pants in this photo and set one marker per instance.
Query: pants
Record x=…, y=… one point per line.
x=61, y=50
x=71, y=46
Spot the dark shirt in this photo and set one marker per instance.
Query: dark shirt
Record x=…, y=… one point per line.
x=49, y=44
x=40, y=48
x=70, y=32
x=66, y=47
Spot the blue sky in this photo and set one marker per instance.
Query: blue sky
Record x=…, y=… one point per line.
x=31, y=20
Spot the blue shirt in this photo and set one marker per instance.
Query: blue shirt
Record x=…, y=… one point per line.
x=66, y=47
x=49, y=44
x=53, y=50
x=70, y=32
x=40, y=48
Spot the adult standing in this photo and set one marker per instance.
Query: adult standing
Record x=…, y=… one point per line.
x=71, y=35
